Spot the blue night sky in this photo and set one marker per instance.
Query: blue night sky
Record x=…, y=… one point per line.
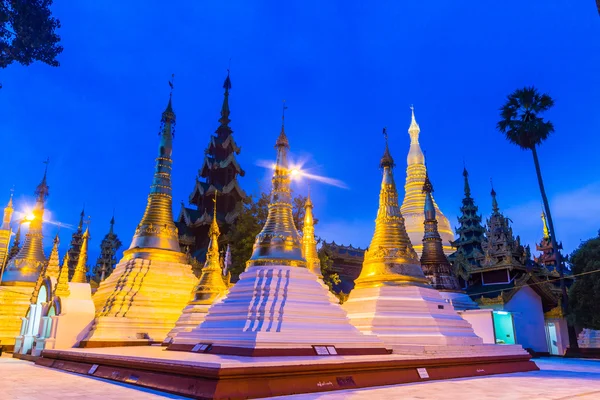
x=346, y=69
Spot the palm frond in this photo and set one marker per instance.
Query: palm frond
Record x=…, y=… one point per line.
x=521, y=121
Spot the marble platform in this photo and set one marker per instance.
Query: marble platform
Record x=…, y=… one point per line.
x=418, y=321
x=14, y=303
x=192, y=316
x=278, y=310
x=208, y=376
x=140, y=302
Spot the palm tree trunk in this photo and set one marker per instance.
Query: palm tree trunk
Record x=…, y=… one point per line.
x=558, y=257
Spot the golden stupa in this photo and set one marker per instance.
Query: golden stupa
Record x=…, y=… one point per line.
x=309, y=244
x=211, y=286
x=414, y=197
x=390, y=259
x=22, y=271
x=143, y=298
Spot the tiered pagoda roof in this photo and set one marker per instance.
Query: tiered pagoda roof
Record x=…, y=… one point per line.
x=217, y=175
x=470, y=235
x=500, y=247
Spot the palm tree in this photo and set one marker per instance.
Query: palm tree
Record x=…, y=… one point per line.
x=523, y=125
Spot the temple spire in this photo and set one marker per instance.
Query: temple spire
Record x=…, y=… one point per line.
x=53, y=268
x=467, y=187
x=309, y=244
x=546, y=230
x=81, y=267
x=62, y=282
x=386, y=160
x=279, y=242
x=415, y=154
x=212, y=283
x=8, y=212
x=156, y=231
x=80, y=226
x=436, y=266
x=16, y=246
x=495, y=207
x=390, y=257
x=24, y=268
x=224, y=120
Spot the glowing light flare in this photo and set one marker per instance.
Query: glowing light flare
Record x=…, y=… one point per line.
x=296, y=172
x=30, y=217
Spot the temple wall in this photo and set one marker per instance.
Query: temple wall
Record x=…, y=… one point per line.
x=482, y=322
x=528, y=317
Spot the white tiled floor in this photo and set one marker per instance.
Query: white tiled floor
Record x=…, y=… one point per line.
x=558, y=379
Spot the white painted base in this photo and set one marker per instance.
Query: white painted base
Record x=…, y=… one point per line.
x=278, y=307
x=141, y=300
x=589, y=338
x=416, y=320
x=408, y=315
x=72, y=324
x=460, y=301
x=192, y=316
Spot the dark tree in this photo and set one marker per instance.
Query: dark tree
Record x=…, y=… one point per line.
x=523, y=125
x=28, y=33
x=584, y=294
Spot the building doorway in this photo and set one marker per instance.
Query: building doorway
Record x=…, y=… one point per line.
x=552, y=338
x=504, y=329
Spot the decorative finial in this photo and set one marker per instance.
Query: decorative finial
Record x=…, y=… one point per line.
x=227, y=83
x=283, y=115
x=467, y=187
x=546, y=230
x=427, y=186
x=495, y=207
x=172, y=84
x=386, y=160
x=215, y=205
x=46, y=169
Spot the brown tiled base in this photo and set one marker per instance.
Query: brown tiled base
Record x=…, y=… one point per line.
x=202, y=382
x=26, y=357
x=97, y=344
x=583, y=352
x=298, y=352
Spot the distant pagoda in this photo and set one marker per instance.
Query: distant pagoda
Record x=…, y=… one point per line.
x=470, y=236
x=436, y=266
x=414, y=198
x=547, y=258
x=6, y=232
x=218, y=173
x=108, y=254
x=16, y=246
x=76, y=242
x=501, y=250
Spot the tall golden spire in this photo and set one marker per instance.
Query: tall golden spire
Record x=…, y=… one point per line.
x=156, y=234
x=211, y=283
x=279, y=242
x=62, y=283
x=80, y=267
x=8, y=212
x=546, y=231
x=414, y=198
x=309, y=244
x=390, y=259
x=53, y=268
x=24, y=268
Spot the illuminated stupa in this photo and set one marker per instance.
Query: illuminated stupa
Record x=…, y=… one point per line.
x=22, y=271
x=278, y=307
x=309, y=244
x=392, y=298
x=414, y=197
x=143, y=297
x=211, y=286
